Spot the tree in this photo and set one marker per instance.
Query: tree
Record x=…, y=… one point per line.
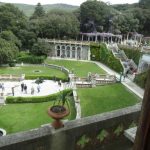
x=28, y=38
x=38, y=12
x=59, y=24
x=8, y=51
x=144, y=3
x=12, y=18
x=95, y=11
x=9, y=36
x=40, y=48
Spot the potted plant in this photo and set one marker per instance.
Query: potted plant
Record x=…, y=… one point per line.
x=58, y=111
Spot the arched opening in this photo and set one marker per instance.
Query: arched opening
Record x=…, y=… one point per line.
x=58, y=53
x=78, y=53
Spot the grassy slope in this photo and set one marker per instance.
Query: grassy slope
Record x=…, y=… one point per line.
x=21, y=117
x=29, y=9
x=105, y=98
x=80, y=68
x=29, y=70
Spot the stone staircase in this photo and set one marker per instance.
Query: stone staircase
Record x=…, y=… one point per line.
x=128, y=64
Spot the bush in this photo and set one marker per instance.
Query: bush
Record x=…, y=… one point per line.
x=31, y=59
x=46, y=77
x=35, y=99
x=140, y=79
x=12, y=64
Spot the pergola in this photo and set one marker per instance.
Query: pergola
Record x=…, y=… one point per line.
x=97, y=36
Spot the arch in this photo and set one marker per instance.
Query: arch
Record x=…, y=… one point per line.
x=58, y=53
x=58, y=47
x=68, y=48
x=73, y=48
x=63, y=47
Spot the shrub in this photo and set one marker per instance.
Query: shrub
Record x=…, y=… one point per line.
x=46, y=77
x=31, y=59
x=35, y=99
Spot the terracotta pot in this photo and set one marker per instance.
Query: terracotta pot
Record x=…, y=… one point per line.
x=57, y=123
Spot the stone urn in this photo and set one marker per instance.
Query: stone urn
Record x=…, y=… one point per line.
x=58, y=112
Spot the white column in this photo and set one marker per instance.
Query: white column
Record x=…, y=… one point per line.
x=89, y=53
x=82, y=37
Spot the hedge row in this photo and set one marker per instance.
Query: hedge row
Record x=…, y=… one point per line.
x=35, y=99
x=102, y=54
x=132, y=53
x=31, y=59
x=140, y=79
x=45, y=77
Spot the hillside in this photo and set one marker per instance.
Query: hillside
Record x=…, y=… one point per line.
x=29, y=9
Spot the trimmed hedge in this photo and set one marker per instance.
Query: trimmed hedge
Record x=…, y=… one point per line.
x=140, y=79
x=46, y=77
x=35, y=99
x=132, y=53
x=31, y=59
x=102, y=54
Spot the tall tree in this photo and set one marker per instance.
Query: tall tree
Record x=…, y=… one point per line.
x=95, y=11
x=38, y=12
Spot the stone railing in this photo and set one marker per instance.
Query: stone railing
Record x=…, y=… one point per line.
x=94, y=80
x=61, y=68
x=12, y=77
x=93, y=132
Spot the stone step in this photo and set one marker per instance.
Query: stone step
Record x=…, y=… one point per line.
x=131, y=133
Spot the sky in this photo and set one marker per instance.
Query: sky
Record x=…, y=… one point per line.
x=72, y=2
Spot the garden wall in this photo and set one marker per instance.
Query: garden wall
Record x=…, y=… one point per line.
x=94, y=132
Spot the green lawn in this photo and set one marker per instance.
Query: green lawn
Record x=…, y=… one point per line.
x=21, y=117
x=80, y=68
x=29, y=70
x=105, y=98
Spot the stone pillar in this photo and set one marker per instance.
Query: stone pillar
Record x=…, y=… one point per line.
x=82, y=37
x=88, y=38
x=96, y=38
x=89, y=53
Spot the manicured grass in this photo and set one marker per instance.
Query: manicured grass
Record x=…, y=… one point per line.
x=105, y=98
x=21, y=117
x=80, y=68
x=30, y=70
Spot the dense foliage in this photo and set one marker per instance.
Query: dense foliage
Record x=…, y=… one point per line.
x=102, y=54
x=132, y=53
x=140, y=79
x=36, y=99
x=8, y=51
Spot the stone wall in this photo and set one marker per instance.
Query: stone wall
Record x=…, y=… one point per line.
x=88, y=133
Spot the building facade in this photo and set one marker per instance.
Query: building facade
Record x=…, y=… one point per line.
x=69, y=49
